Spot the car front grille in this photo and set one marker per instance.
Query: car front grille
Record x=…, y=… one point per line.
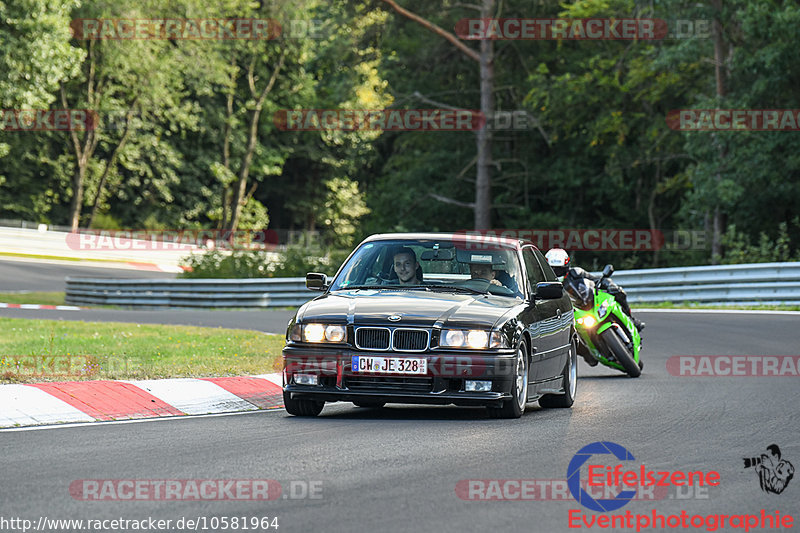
x=399, y=339
x=410, y=340
x=389, y=384
x=373, y=338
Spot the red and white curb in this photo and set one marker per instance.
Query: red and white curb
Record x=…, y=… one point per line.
x=37, y=306
x=104, y=400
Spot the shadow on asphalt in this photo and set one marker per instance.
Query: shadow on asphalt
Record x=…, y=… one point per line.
x=414, y=413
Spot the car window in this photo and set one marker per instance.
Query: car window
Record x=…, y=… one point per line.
x=549, y=275
x=534, y=271
x=441, y=263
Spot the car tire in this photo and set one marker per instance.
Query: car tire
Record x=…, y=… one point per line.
x=570, y=380
x=302, y=407
x=370, y=405
x=514, y=407
x=621, y=353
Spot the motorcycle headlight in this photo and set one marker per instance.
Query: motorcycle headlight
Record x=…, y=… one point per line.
x=603, y=309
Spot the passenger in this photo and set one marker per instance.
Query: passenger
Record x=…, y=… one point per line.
x=484, y=271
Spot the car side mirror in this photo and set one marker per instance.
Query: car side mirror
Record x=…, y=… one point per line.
x=316, y=281
x=548, y=290
x=608, y=270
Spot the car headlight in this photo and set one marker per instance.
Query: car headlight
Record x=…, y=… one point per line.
x=476, y=339
x=452, y=337
x=603, y=309
x=322, y=333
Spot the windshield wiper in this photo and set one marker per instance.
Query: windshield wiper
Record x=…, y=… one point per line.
x=457, y=288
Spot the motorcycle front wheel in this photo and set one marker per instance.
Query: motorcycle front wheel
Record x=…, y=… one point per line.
x=621, y=352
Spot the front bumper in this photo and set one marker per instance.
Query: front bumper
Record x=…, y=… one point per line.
x=443, y=384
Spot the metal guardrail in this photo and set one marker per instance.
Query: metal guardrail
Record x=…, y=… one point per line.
x=755, y=283
x=197, y=293
x=759, y=283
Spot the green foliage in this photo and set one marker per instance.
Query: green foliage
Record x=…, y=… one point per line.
x=295, y=261
x=739, y=248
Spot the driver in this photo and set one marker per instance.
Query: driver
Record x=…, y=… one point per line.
x=405, y=265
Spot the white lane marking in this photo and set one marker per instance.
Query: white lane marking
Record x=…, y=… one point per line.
x=277, y=379
x=194, y=396
x=22, y=404
x=718, y=311
x=135, y=421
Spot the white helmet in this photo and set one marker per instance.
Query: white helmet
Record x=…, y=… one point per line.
x=558, y=258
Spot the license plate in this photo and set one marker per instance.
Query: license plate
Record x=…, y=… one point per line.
x=389, y=365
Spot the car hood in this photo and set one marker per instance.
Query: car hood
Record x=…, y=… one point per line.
x=415, y=307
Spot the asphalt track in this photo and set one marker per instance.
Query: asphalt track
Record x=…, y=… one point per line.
x=18, y=274
x=397, y=468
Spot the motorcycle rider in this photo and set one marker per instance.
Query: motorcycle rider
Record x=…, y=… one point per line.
x=558, y=259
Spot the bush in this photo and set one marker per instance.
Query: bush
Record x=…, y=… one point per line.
x=296, y=261
x=739, y=250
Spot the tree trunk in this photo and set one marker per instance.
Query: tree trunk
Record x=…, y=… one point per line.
x=247, y=158
x=77, y=195
x=110, y=165
x=483, y=182
x=720, y=219
x=482, y=208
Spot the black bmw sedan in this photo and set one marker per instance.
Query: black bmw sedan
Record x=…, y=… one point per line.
x=436, y=319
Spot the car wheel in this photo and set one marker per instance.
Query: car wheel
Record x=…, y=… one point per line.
x=302, y=407
x=370, y=405
x=570, y=380
x=621, y=353
x=515, y=406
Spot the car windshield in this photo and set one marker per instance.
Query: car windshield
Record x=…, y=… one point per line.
x=433, y=265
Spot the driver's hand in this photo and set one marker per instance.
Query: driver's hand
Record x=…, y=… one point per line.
x=495, y=282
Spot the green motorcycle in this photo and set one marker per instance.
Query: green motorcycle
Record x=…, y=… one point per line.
x=607, y=335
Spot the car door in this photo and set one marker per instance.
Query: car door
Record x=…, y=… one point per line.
x=564, y=329
x=548, y=321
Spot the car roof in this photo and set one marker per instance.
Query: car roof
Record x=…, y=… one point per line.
x=485, y=237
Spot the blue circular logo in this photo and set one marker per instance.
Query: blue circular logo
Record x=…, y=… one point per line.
x=574, y=477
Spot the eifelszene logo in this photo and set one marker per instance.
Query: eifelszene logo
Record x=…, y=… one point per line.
x=574, y=476
x=774, y=473
x=602, y=475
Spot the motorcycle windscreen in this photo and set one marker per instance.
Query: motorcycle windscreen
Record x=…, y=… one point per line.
x=581, y=292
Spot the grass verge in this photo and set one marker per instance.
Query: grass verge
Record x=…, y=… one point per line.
x=33, y=297
x=53, y=350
